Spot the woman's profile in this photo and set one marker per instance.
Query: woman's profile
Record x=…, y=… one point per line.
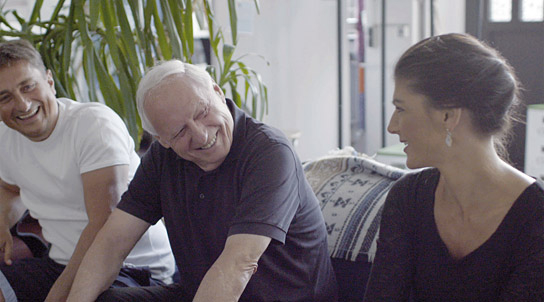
x=468, y=227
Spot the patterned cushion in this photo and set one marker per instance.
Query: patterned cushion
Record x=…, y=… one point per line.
x=352, y=190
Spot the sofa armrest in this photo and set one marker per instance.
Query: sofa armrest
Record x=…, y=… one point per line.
x=351, y=191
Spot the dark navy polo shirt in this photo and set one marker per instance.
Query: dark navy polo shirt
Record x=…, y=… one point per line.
x=260, y=189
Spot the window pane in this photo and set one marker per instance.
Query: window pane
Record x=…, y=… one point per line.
x=532, y=10
x=500, y=10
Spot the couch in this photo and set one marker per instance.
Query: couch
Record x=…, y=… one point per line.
x=351, y=189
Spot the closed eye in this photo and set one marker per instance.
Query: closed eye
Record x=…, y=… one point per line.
x=179, y=134
x=28, y=87
x=204, y=112
x=5, y=98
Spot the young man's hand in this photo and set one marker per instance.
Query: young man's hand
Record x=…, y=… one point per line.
x=6, y=244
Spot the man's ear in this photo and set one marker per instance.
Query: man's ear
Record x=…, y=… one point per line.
x=219, y=91
x=50, y=81
x=162, y=142
x=452, y=117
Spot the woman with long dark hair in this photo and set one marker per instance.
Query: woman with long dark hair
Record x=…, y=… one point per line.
x=469, y=227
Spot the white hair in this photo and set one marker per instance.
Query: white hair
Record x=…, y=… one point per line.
x=156, y=75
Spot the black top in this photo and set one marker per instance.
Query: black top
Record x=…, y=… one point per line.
x=260, y=189
x=412, y=260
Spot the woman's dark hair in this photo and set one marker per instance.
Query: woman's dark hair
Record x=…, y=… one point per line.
x=459, y=71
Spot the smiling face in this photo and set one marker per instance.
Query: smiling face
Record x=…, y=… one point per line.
x=27, y=100
x=192, y=118
x=418, y=126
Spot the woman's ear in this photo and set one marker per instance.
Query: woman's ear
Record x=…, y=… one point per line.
x=452, y=117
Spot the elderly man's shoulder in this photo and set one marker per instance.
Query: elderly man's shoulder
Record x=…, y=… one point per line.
x=260, y=133
x=266, y=143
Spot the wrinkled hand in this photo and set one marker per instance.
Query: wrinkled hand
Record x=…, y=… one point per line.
x=6, y=245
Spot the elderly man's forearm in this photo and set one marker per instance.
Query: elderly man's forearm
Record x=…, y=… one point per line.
x=224, y=284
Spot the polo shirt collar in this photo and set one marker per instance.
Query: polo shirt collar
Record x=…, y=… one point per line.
x=239, y=132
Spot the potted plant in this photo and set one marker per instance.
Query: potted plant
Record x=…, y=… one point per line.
x=98, y=50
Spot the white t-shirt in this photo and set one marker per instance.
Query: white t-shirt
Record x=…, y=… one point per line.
x=87, y=137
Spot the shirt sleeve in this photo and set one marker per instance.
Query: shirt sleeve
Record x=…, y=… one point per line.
x=270, y=193
x=392, y=270
x=6, y=149
x=142, y=198
x=103, y=139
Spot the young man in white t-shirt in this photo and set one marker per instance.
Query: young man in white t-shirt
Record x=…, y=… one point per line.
x=67, y=163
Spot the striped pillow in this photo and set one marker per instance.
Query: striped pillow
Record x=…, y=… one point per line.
x=352, y=190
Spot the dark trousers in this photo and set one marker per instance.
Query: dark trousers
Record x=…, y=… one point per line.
x=166, y=293
x=32, y=278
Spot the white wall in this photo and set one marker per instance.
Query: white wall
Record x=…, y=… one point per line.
x=398, y=34
x=298, y=38
x=449, y=17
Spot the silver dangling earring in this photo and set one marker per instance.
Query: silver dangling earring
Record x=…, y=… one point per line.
x=449, y=141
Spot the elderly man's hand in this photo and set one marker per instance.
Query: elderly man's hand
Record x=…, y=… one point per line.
x=6, y=244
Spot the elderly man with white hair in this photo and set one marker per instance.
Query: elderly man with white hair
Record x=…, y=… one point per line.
x=243, y=222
